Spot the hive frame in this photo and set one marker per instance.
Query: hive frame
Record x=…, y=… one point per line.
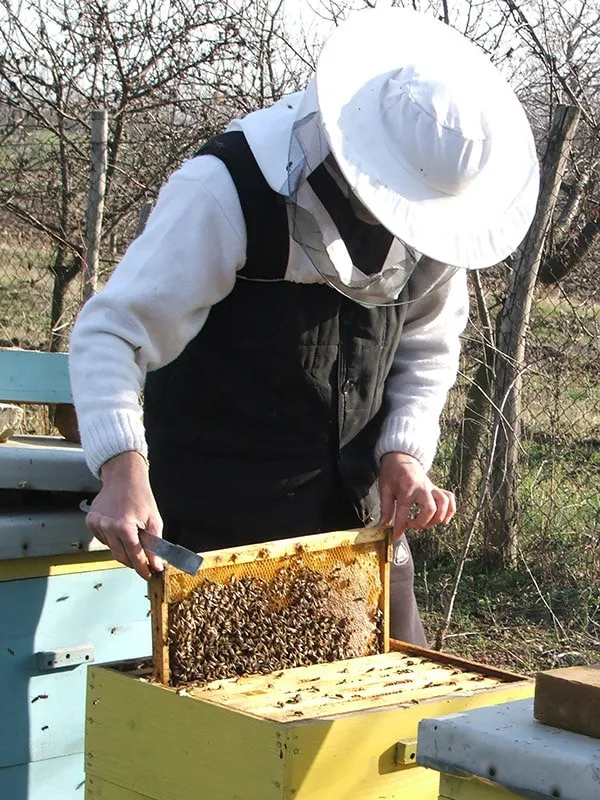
x=165, y=587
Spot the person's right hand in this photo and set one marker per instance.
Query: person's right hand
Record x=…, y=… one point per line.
x=124, y=505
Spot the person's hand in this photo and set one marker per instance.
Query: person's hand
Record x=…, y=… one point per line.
x=124, y=505
x=408, y=497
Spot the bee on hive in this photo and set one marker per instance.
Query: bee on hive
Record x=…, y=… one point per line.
x=249, y=625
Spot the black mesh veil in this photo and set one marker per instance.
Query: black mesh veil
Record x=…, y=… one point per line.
x=313, y=229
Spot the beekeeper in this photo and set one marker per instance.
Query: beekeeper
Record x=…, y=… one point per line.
x=292, y=311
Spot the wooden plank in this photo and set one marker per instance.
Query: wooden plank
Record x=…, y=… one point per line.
x=455, y=788
x=384, y=603
x=60, y=611
x=354, y=685
x=42, y=715
x=17, y=569
x=149, y=739
x=31, y=534
x=98, y=789
x=43, y=710
x=52, y=779
x=569, y=698
x=45, y=463
x=354, y=755
x=447, y=658
x=32, y=376
x=279, y=549
x=160, y=628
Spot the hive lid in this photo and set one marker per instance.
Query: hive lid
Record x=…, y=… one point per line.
x=45, y=532
x=45, y=463
x=505, y=744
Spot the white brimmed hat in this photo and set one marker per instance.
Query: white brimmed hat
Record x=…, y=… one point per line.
x=429, y=135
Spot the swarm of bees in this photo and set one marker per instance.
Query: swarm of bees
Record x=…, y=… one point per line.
x=252, y=626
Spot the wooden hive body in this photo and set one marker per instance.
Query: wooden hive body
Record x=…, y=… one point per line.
x=339, y=731
x=64, y=603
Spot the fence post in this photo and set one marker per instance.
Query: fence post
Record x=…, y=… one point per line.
x=143, y=218
x=512, y=333
x=95, y=208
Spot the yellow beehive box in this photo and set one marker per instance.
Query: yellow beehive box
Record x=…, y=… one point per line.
x=454, y=788
x=344, y=730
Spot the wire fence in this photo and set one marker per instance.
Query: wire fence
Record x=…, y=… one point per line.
x=50, y=216
x=558, y=479
x=45, y=235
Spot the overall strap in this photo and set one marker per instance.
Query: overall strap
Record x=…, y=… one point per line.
x=264, y=210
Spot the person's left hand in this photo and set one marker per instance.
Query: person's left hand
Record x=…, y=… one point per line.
x=404, y=487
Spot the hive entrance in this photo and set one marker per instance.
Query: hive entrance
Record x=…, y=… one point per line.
x=258, y=609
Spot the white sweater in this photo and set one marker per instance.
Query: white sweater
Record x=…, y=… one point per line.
x=160, y=295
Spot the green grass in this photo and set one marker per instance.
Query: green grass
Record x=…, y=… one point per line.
x=25, y=294
x=26, y=286
x=30, y=155
x=526, y=619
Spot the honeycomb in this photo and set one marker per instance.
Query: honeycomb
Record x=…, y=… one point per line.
x=257, y=610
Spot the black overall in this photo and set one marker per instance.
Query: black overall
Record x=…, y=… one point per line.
x=265, y=426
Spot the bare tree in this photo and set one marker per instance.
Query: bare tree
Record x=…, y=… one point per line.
x=565, y=39
x=512, y=329
x=169, y=75
x=542, y=57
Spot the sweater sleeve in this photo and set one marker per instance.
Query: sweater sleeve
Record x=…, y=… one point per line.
x=154, y=303
x=426, y=362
